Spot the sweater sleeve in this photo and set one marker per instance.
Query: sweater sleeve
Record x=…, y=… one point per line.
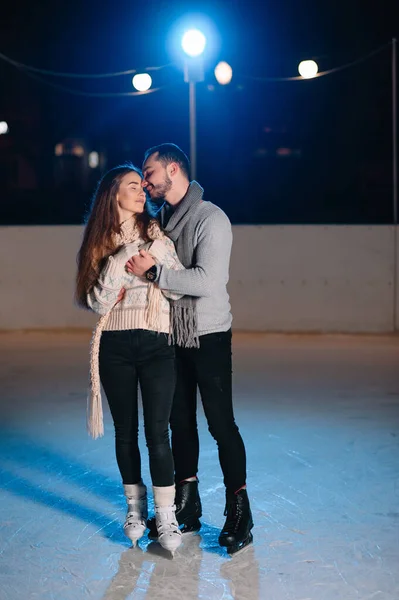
x=112, y=279
x=210, y=262
x=164, y=253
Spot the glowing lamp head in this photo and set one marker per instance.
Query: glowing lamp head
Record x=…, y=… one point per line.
x=193, y=42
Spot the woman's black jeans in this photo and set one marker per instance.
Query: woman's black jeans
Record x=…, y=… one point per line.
x=208, y=368
x=126, y=359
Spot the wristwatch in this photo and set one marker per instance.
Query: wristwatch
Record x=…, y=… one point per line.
x=151, y=273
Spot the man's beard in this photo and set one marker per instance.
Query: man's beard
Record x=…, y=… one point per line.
x=160, y=190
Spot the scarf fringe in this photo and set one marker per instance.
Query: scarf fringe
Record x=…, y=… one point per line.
x=153, y=309
x=184, y=331
x=95, y=421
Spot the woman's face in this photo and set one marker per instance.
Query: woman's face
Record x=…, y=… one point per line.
x=131, y=196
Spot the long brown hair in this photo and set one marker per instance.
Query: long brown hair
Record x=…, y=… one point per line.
x=102, y=221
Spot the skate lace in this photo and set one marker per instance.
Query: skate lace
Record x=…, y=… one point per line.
x=233, y=512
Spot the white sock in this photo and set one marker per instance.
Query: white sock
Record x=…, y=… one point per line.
x=164, y=496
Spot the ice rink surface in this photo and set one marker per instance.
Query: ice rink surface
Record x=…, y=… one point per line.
x=320, y=419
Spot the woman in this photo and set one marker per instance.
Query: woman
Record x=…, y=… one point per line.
x=130, y=344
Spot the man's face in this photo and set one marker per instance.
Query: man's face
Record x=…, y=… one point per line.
x=156, y=179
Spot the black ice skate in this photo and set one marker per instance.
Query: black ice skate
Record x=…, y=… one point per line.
x=188, y=509
x=236, y=533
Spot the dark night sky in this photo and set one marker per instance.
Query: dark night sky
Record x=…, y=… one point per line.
x=92, y=35
x=260, y=39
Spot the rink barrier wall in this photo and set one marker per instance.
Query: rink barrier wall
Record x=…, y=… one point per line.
x=282, y=278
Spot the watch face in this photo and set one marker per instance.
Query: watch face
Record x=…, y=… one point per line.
x=151, y=273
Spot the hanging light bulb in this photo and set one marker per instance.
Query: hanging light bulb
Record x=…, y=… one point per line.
x=308, y=69
x=142, y=82
x=223, y=73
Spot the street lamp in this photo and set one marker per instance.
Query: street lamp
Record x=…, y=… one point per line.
x=193, y=44
x=308, y=69
x=142, y=82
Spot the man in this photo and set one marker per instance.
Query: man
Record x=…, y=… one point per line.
x=202, y=332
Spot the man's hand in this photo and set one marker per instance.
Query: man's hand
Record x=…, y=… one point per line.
x=140, y=263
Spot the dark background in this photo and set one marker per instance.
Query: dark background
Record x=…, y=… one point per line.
x=316, y=151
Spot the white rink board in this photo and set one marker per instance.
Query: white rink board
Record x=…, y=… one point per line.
x=282, y=278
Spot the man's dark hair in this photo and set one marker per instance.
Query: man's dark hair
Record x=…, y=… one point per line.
x=168, y=153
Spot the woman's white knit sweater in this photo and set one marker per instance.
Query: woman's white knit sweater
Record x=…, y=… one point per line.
x=132, y=311
x=144, y=305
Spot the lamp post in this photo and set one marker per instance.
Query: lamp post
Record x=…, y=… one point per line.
x=395, y=180
x=395, y=132
x=193, y=44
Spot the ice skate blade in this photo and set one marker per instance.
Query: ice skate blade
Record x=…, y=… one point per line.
x=233, y=550
x=134, y=536
x=134, y=540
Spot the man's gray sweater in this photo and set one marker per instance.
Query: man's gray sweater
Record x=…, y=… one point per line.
x=208, y=231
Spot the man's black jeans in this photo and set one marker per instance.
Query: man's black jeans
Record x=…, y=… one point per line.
x=126, y=359
x=210, y=368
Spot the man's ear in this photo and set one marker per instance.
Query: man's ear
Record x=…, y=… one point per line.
x=173, y=169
